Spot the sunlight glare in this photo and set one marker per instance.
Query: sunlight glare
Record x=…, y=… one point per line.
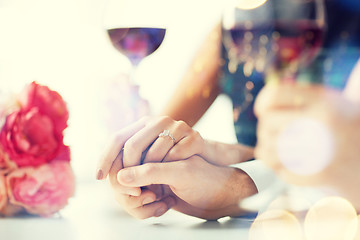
x=247, y=5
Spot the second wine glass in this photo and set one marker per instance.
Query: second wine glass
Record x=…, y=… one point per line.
x=136, y=29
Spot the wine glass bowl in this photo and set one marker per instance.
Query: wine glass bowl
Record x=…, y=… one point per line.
x=136, y=43
x=136, y=28
x=277, y=37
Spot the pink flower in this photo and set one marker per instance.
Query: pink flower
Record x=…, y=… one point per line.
x=5, y=164
x=30, y=139
x=7, y=209
x=43, y=190
x=3, y=192
x=48, y=103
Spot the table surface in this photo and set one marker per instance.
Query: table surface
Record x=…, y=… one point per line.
x=93, y=214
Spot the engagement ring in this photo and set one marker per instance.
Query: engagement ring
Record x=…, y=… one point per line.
x=166, y=133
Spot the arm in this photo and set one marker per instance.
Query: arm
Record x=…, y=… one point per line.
x=198, y=89
x=199, y=86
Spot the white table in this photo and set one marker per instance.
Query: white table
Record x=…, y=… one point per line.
x=94, y=214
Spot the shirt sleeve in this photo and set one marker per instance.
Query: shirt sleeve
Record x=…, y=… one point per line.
x=262, y=175
x=270, y=186
x=266, y=181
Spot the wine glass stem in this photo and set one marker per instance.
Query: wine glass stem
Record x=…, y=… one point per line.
x=132, y=74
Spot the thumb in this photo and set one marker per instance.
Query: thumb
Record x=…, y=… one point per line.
x=352, y=88
x=151, y=173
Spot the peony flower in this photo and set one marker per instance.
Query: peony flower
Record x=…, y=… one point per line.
x=3, y=192
x=43, y=190
x=48, y=102
x=7, y=209
x=30, y=139
x=5, y=164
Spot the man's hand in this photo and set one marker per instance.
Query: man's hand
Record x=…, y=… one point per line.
x=193, y=186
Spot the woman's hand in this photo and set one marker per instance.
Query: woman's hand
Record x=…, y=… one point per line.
x=142, y=140
x=140, y=143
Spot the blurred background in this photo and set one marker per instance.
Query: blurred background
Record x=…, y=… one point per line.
x=62, y=44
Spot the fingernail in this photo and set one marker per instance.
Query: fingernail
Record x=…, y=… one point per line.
x=147, y=201
x=99, y=174
x=127, y=175
x=160, y=211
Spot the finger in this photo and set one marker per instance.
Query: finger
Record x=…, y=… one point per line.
x=118, y=188
x=155, y=209
x=158, y=150
x=157, y=189
x=164, y=144
x=115, y=146
x=139, y=142
x=169, y=173
x=130, y=202
x=190, y=145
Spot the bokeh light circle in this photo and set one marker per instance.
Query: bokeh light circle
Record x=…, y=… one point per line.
x=357, y=235
x=276, y=224
x=305, y=146
x=331, y=218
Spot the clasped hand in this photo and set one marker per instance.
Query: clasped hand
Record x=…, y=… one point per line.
x=151, y=174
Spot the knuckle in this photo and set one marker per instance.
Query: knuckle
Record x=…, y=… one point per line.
x=130, y=145
x=182, y=126
x=118, y=137
x=197, y=135
x=193, y=138
x=175, y=154
x=148, y=169
x=163, y=120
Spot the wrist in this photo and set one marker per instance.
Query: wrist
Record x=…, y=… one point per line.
x=239, y=186
x=223, y=154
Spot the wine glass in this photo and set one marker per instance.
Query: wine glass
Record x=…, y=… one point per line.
x=274, y=37
x=136, y=29
x=278, y=39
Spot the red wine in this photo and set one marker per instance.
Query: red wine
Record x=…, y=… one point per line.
x=136, y=43
x=279, y=43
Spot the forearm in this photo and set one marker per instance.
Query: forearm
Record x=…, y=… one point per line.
x=199, y=87
x=224, y=154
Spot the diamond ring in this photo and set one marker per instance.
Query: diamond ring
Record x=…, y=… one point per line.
x=166, y=133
